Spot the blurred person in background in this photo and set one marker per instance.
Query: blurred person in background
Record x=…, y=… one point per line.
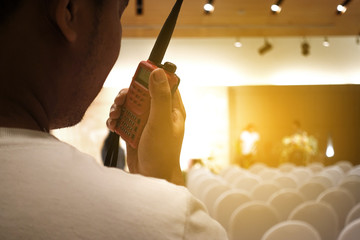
x=299, y=147
x=248, y=142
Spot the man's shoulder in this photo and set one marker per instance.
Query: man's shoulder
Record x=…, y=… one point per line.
x=55, y=178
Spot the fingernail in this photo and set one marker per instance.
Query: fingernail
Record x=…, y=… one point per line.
x=112, y=110
x=159, y=76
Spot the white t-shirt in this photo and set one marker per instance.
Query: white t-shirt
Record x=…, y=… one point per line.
x=50, y=190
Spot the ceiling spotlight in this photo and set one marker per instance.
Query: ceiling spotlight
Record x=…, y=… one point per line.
x=326, y=42
x=305, y=48
x=341, y=8
x=139, y=7
x=237, y=43
x=209, y=7
x=265, y=48
x=276, y=7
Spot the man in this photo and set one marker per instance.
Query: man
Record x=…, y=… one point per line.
x=249, y=139
x=54, y=58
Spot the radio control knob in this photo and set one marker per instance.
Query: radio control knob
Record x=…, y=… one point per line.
x=170, y=67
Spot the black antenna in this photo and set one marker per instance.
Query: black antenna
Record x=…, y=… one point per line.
x=162, y=41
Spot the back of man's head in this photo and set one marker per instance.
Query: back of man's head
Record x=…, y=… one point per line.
x=8, y=7
x=55, y=56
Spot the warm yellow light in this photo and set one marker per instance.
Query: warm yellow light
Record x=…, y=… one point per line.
x=275, y=8
x=238, y=44
x=330, y=149
x=209, y=7
x=326, y=43
x=205, y=139
x=341, y=8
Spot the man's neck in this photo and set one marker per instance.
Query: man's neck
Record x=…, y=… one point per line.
x=24, y=112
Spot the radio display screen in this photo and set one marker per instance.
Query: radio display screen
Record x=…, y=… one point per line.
x=143, y=77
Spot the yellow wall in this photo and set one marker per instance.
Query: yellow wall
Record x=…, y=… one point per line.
x=323, y=111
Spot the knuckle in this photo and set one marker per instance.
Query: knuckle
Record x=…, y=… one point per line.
x=162, y=95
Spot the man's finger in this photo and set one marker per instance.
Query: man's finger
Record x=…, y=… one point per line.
x=178, y=103
x=161, y=100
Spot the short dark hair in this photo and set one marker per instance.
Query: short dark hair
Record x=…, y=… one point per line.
x=7, y=8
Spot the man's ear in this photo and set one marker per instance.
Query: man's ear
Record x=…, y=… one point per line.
x=65, y=11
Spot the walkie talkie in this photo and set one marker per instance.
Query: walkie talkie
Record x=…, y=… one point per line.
x=135, y=111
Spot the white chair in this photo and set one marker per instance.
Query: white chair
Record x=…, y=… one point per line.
x=205, y=182
x=355, y=170
x=194, y=175
x=286, y=181
x=251, y=220
x=286, y=167
x=211, y=193
x=315, y=167
x=292, y=229
x=228, y=170
x=344, y=165
x=341, y=201
x=235, y=178
x=351, y=231
x=227, y=203
x=269, y=174
x=231, y=173
x=263, y=191
x=286, y=200
x=353, y=186
x=257, y=167
x=311, y=190
x=247, y=183
x=334, y=172
x=323, y=179
x=320, y=215
x=350, y=177
x=302, y=174
x=353, y=214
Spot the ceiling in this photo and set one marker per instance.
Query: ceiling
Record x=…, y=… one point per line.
x=244, y=18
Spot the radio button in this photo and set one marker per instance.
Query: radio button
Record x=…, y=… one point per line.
x=170, y=67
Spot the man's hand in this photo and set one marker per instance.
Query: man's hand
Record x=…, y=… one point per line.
x=158, y=152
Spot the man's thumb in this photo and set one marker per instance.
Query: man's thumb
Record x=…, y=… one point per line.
x=160, y=94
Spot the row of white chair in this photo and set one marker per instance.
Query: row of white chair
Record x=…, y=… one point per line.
x=205, y=183
x=311, y=184
x=299, y=230
x=334, y=207
x=329, y=176
x=229, y=195
x=252, y=220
